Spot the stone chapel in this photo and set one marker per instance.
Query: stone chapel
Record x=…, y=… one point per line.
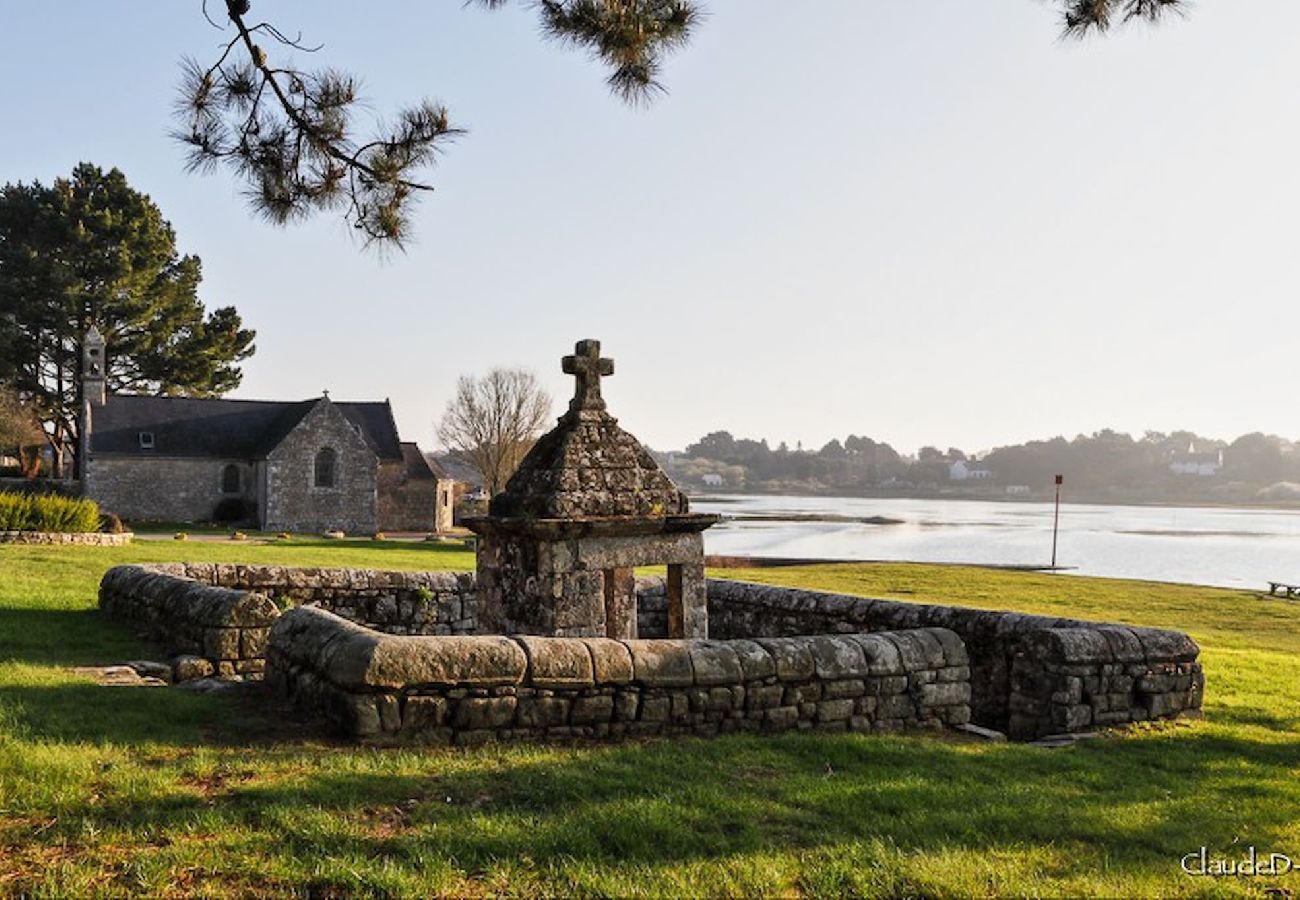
x=307, y=466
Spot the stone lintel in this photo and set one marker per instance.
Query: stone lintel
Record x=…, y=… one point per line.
x=609, y=526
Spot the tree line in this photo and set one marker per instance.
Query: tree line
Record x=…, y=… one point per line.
x=1105, y=465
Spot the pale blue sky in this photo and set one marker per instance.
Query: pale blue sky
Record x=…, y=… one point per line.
x=928, y=221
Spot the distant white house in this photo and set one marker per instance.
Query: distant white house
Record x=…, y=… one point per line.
x=968, y=470
x=712, y=480
x=1018, y=490
x=1202, y=465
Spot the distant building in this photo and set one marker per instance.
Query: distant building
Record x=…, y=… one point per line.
x=310, y=465
x=968, y=470
x=712, y=480
x=1203, y=465
x=1018, y=490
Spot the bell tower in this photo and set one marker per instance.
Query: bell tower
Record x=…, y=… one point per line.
x=94, y=387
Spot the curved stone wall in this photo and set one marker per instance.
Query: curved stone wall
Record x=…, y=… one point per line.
x=1030, y=675
x=227, y=627
x=467, y=690
x=395, y=602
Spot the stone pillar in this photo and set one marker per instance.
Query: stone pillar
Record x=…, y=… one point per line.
x=688, y=610
x=620, y=603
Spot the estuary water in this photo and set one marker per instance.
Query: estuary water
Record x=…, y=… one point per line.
x=1242, y=548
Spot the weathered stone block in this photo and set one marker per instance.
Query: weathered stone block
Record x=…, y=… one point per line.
x=802, y=693
x=882, y=655
x=188, y=668
x=764, y=696
x=390, y=712
x=945, y=694
x=542, y=712
x=420, y=713
x=557, y=662
x=660, y=663
x=895, y=706
x=755, y=662
x=793, y=657
x=625, y=705
x=838, y=657
x=360, y=715
x=252, y=642
x=714, y=662
x=587, y=710
x=1071, y=718
x=221, y=643
x=611, y=661
x=780, y=718
x=655, y=709
x=484, y=712
x=853, y=687
x=834, y=710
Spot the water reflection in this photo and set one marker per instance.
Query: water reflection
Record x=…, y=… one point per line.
x=1228, y=547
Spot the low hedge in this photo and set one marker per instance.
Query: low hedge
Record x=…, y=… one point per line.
x=47, y=512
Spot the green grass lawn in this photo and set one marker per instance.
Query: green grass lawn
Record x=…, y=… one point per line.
x=122, y=790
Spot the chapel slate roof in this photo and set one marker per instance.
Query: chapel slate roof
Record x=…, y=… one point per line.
x=418, y=466
x=589, y=467
x=227, y=429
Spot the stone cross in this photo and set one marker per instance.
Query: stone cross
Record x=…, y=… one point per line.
x=589, y=367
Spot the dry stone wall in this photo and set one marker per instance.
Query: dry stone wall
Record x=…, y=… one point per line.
x=227, y=627
x=394, y=602
x=1030, y=675
x=83, y=539
x=467, y=690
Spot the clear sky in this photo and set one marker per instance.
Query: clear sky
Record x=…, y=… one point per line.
x=926, y=221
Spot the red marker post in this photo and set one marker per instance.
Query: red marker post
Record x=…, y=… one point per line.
x=1056, y=517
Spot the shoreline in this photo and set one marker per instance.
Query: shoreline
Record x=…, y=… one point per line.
x=738, y=496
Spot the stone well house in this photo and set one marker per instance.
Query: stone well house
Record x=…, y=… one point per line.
x=309, y=466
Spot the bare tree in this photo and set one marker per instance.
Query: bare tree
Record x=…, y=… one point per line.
x=20, y=431
x=493, y=422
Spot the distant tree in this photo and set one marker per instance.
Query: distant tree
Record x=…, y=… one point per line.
x=955, y=454
x=492, y=422
x=1258, y=458
x=90, y=250
x=20, y=431
x=718, y=445
x=832, y=449
x=930, y=455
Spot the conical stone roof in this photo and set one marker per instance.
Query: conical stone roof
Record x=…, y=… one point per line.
x=587, y=467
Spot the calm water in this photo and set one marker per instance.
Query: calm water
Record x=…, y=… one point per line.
x=1228, y=547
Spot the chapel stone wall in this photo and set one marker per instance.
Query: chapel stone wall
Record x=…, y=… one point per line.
x=296, y=503
x=405, y=504
x=165, y=489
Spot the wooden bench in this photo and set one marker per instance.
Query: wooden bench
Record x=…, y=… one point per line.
x=1282, y=589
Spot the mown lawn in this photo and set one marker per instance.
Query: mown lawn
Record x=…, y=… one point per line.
x=117, y=790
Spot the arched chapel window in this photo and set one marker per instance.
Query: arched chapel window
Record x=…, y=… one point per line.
x=326, y=463
x=230, y=479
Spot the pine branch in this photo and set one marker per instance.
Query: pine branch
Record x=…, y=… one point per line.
x=1082, y=17
x=287, y=133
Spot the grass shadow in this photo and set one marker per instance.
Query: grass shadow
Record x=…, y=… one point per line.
x=667, y=803
x=68, y=637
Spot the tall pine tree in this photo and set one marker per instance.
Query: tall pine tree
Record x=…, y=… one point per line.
x=87, y=250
